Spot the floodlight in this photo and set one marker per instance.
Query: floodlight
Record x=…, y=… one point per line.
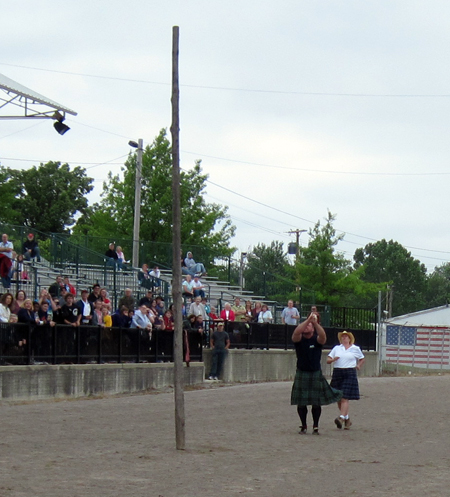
x=60, y=127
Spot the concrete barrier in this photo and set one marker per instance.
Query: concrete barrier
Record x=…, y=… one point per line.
x=22, y=383
x=83, y=380
x=242, y=365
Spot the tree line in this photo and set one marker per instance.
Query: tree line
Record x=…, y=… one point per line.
x=52, y=198
x=322, y=275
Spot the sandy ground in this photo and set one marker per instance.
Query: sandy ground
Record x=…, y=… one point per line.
x=240, y=440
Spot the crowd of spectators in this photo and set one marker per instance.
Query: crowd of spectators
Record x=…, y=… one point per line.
x=61, y=304
x=12, y=263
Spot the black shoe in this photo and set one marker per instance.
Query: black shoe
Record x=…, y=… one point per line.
x=315, y=431
x=302, y=430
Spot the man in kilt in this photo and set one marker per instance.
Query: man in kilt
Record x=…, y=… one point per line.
x=310, y=386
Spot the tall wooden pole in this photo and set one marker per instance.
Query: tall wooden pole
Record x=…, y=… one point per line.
x=176, y=244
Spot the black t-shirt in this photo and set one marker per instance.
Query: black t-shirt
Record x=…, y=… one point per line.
x=309, y=354
x=70, y=313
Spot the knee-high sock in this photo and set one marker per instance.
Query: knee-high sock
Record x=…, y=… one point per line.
x=316, y=412
x=302, y=412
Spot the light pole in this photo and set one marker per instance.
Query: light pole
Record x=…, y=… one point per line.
x=137, y=200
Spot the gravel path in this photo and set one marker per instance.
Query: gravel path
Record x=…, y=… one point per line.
x=241, y=440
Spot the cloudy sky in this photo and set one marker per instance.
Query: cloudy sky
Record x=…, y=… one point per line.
x=293, y=107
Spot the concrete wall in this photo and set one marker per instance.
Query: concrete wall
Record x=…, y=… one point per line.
x=268, y=365
x=20, y=383
x=71, y=381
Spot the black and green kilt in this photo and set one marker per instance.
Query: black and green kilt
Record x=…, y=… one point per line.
x=310, y=388
x=346, y=379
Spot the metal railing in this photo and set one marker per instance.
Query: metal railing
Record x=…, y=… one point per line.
x=64, y=344
x=278, y=336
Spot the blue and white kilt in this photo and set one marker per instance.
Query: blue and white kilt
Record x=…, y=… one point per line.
x=346, y=379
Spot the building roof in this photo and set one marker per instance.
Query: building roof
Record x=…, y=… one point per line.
x=435, y=317
x=26, y=103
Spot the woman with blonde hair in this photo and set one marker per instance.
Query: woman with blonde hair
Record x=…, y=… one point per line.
x=346, y=358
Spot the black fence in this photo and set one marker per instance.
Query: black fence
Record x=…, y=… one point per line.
x=278, y=336
x=62, y=344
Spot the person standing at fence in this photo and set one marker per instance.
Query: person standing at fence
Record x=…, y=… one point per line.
x=219, y=343
x=310, y=386
x=346, y=358
x=290, y=314
x=6, y=257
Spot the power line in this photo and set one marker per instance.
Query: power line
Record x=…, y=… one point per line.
x=315, y=170
x=247, y=90
x=65, y=162
x=314, y=222
x=21, y=130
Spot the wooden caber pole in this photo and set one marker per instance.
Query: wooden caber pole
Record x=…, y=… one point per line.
x=176, y=244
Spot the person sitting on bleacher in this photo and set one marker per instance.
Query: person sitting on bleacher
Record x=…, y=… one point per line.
x=31, y=248
x=187, y=287
x=127, y=300
x=155, y=273
x=18, y=271
x=68, y=286
x=197, y=308
x=198, y=287
x=55, y=288
x=194, y=267
x=144, y=277
x=112, y=259
x=146, y=299
x=121, y=258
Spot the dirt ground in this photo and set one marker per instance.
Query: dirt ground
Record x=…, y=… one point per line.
x=241, y=440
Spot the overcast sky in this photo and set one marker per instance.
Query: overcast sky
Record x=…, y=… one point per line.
x=293, y=107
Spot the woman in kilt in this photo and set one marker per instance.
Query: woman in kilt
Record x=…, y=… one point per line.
x=310, y=387
x=346, y=358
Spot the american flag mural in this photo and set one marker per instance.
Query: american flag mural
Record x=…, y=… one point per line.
x=418, y=346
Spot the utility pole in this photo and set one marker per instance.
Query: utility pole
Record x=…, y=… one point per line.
x=297, y=232
x=389, y=299
x=241, y=269
x=180, y=419
x=137, y=200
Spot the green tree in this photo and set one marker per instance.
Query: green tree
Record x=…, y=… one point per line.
x=326, y=276
x=320, y=268
x=205, y=224
x=10, y=189
x=438, y=286
x=391, y=263
x=266, y=272
x=45, y=198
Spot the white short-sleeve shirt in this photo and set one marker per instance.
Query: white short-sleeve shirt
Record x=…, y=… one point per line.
x=348, y=358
